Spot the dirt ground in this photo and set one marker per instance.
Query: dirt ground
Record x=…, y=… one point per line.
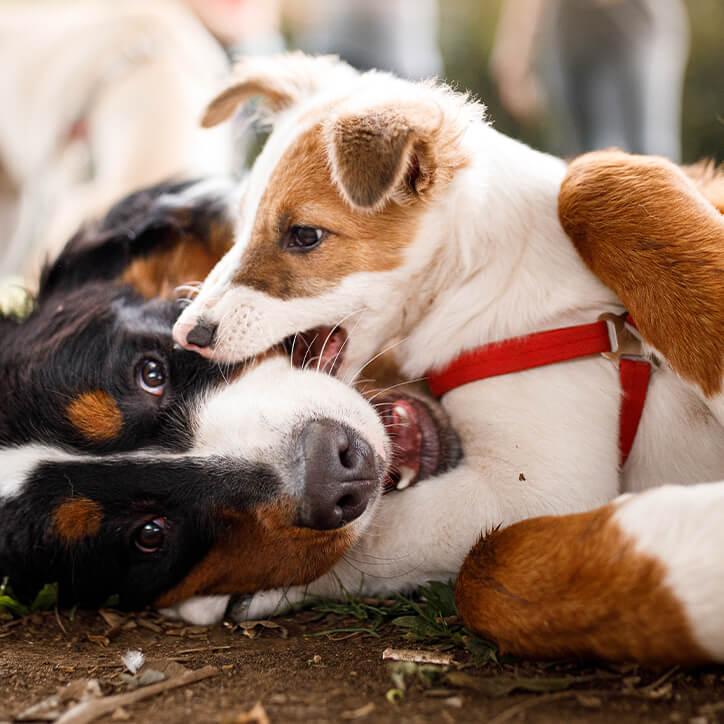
x=300, y=676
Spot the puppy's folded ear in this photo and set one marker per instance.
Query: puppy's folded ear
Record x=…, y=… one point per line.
x=398, y=153
x=279, y=80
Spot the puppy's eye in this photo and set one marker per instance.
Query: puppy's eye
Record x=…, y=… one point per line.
x=303, y=238
x=152, y=376
x=150, y=536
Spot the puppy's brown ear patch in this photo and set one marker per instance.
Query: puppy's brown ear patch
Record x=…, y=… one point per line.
x=378, y=155
x=279, y=80
x=95, y=415
x=370, y=154
x=401, y=153
x=77, y=518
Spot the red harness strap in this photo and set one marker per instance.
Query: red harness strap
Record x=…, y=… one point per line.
x=544, y=348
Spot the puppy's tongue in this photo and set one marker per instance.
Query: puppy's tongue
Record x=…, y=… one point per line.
x=321, y=348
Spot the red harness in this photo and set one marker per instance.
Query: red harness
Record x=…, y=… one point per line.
x=614, y=337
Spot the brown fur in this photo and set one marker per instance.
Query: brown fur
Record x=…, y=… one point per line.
x=95, y=415
x=573, y=586
x=159, y=274
x=301, y=191
x=647, y=232
x=77, y=518
x=378, y=156
x=262, y=550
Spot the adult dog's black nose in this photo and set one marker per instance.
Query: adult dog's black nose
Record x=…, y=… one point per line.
x=202, y=335
x=340, y=475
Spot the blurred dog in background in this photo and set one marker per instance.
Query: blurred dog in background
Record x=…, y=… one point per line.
x=100, y=99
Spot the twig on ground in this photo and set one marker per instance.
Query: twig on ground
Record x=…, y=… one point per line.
x=60, y=623
x=519, y=708
x=201, y=648
x=418, y=657
x=88, y=711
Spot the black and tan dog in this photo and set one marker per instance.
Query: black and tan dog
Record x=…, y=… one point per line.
x=130, y=467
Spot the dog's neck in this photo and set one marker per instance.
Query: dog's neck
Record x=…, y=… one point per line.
x=503, y=265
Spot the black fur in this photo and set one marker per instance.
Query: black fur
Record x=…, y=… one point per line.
x=130, y=492
x=88, y=333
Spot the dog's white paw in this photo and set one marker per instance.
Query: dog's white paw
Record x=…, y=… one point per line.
x=199, y=610
x=265, y=604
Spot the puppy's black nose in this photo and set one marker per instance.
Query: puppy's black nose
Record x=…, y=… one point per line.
x=202, y=335
x=340, y=475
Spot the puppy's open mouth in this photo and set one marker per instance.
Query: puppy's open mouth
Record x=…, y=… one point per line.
x=321, y=348
x=422, y=441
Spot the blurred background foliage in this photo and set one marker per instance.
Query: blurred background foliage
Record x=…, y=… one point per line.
x=466, y=31
x=466, y=36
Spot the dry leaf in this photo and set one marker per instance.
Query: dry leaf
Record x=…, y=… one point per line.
x=100, y=640
x=249, y=628
x=590, y=702
x=360, y=713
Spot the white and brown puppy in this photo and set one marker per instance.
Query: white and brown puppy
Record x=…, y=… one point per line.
x=394, y=209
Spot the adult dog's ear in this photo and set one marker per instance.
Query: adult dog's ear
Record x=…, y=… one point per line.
x=279, y=81
x=153, y=239
x=398, y=153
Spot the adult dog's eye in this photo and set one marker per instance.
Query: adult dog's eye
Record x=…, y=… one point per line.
x=152, y=376
x=150, y=536
x=303, y=238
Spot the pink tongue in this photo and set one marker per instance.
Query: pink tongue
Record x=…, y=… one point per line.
x=400, y=420
x=320, y=349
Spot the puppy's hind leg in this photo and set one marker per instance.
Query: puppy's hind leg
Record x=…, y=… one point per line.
x=655, y=235
x=639, y=579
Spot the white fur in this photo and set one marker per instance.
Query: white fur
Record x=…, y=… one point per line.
x=199, y=610
x=490, y=261
x=255, y=416
x=19, y=462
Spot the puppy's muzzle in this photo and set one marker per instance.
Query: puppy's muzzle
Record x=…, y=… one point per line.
x=340, y=473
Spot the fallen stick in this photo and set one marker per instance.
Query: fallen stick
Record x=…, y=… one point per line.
x=90, y=710
x=417, y=657
x=201, y=648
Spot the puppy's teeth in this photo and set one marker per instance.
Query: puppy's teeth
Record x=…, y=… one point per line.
x=406, y=477
x=402, y=415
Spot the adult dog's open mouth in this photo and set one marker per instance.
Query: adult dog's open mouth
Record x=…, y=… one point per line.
x=422, y=441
